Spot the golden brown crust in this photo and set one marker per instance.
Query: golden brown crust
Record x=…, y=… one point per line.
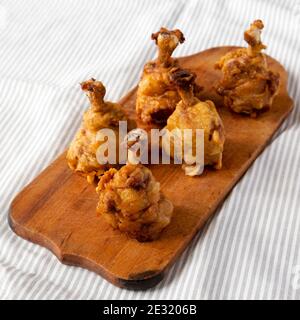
x=81, y=155
x=156, y=96
x=248, y=86
x=131, y=201
x=191, y=113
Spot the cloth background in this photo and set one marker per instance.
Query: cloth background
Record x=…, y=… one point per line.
x=250, y=249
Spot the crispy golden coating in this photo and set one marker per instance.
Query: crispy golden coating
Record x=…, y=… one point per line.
x=191, y=113
x=101, y=114
x=248, y=86
x=130, y=200
x=156, y=96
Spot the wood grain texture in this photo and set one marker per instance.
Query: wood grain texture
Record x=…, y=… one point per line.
x=57, y=210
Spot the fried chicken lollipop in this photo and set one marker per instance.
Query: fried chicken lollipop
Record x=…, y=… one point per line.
x=248, y=86
x=130, y=200
x=101, y=114
x=191, y=113
x=156, y=97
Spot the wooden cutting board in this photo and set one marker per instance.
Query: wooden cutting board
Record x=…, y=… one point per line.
x=57, y=209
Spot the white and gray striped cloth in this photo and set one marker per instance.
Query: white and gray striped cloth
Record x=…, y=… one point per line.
x=251, y=248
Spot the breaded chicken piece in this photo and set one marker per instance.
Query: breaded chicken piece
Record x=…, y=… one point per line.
x=101, y=114
x=248, y=86
x=191, y=113
x=130, y=200
x=156, y=96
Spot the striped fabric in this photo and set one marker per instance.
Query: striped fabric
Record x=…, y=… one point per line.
x=251, y=248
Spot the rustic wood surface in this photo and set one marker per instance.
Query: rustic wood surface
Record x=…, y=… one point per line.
x=57, y=209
